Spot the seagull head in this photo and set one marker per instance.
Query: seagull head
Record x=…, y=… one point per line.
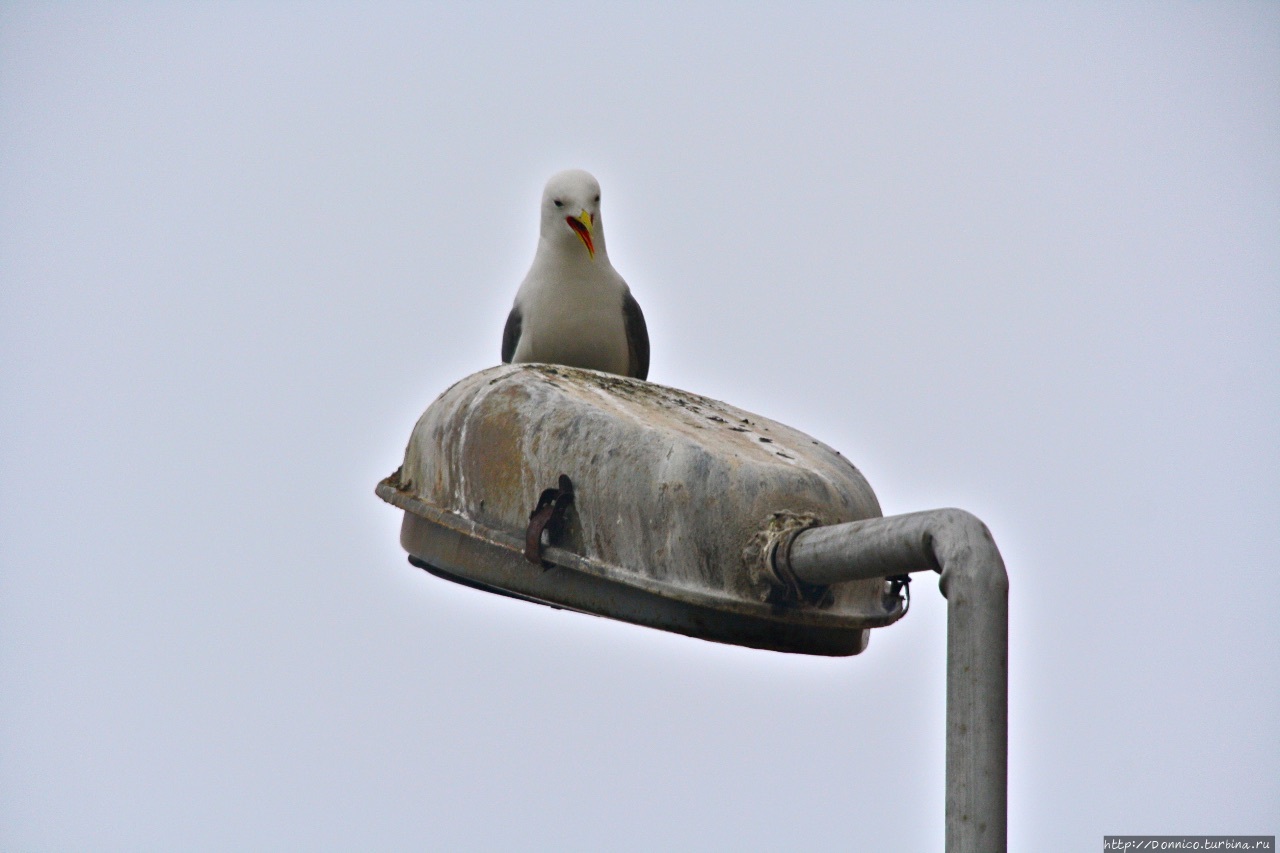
x=571, y=212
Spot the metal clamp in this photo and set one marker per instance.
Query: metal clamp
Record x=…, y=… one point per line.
x=547, y=515
x=793, y=588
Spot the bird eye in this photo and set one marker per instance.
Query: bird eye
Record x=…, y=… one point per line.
x=597, y=198
x=559, y=203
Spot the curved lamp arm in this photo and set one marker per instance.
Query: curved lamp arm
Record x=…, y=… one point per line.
x=974, y=582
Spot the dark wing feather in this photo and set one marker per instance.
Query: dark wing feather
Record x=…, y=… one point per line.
x=637, y=338
x=511, y=335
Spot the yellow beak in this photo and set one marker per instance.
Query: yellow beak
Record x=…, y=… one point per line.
x=582, y=224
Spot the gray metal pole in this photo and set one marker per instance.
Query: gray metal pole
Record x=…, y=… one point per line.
x=958, y=545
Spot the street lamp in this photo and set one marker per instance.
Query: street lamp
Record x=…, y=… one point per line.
x=627, y=499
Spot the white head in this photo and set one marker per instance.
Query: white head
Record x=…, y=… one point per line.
x=571, y=214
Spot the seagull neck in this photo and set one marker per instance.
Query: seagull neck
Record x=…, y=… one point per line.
x=574, y=256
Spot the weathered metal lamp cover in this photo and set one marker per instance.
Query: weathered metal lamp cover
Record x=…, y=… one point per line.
x=673, y=508
x=627, y=499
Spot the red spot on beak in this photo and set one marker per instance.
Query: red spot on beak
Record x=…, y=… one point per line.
x=583, y=232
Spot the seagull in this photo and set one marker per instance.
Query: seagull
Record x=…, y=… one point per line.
x=573, y=308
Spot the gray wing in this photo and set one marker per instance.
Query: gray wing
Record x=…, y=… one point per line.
x=637, y=338
x=511, y=335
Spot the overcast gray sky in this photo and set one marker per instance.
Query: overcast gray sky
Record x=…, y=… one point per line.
x=1022, y=259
